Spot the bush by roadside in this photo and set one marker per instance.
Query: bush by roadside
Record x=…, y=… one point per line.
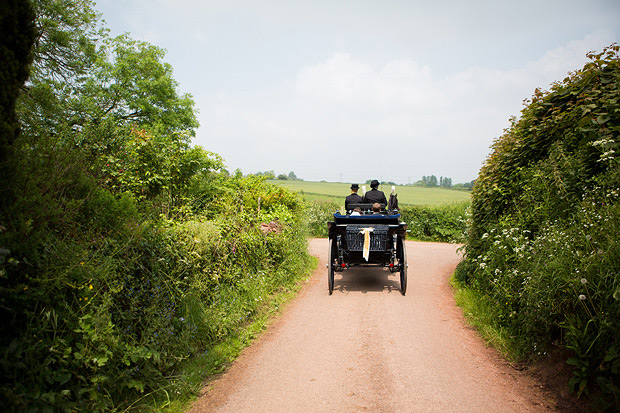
x=542, y=252
x=103, y=306
x=445, y=223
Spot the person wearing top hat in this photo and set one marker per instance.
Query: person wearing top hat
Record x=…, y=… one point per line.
x=354, y=198
x=374, y=195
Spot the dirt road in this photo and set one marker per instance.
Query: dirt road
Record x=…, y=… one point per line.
x=368, y=348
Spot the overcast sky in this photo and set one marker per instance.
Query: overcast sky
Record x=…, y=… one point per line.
x=354, y=90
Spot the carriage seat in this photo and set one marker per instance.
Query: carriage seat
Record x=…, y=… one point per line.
x=366, y=207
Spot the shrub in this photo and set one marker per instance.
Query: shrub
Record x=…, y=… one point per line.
x=317, y=214
x=446, y=223
x=543, y=242
x=102, y=304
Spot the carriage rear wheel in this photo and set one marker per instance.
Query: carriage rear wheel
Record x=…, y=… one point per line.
x=330, y=266
x=402, y=258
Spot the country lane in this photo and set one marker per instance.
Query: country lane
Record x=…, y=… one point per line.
x=367, y=348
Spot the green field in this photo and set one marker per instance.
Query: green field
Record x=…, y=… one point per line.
x=407, y=195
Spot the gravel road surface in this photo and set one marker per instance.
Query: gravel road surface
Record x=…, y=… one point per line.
x=367, y=348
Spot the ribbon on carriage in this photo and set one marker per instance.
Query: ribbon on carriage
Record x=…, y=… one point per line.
x=366, y=249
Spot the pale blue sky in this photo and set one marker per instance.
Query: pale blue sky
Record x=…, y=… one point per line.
x=364, y=89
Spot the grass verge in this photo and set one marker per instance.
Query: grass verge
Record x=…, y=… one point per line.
x=195, y=373
x=480, y=314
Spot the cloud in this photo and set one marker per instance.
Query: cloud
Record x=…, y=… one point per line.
x=200, y=37
x=339, y=113
x=344, y=82
x=556, y=63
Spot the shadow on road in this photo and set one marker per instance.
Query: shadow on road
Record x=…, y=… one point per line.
x=366, y=279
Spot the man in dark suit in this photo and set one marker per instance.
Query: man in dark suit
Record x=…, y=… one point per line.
x=354, y=198
x=374, y=195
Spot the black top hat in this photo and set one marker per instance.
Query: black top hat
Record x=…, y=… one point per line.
x=355, y=186
x=374, y=183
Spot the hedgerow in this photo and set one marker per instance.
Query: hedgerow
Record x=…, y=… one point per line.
x=126, y=253
x=543, y=242
x=101, y=303
x=444, y=223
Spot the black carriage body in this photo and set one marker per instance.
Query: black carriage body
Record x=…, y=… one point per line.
x=347, y=233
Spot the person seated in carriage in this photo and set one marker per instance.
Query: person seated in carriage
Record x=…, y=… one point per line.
x=374, y=195
x=354, y=198
x=367, y=203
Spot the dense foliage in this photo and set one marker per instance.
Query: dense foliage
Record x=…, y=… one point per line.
x=442, y=223
x=544, y=242
x=317, y=214
x=124, y=251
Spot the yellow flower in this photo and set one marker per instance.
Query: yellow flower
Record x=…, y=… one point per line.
x=90, y=287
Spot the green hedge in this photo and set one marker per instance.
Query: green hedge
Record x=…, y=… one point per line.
x=317, y=214
x=543, y=242
x=445, y=223
x=101, y=305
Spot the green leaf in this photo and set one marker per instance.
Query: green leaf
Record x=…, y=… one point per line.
x=63, y=377
x=101, y=361
x=601, y=119
x=135, y=384
x=605, y=385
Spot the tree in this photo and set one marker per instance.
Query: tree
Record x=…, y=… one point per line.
x=267, y=174
x=16, y=40
x=430, y=181
x=17, y=36
x=64, y=53
x=445, y=182
x=132, y=84
x=111, y=99
x=282, y=177
x=292, y=176
x=467, y=185
x=82, y=77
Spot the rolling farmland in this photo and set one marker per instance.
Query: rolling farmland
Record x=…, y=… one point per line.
x=407, y=195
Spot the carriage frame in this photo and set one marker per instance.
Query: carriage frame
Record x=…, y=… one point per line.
x=381, y=234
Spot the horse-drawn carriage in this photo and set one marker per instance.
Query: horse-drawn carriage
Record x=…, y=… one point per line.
x=367, y=239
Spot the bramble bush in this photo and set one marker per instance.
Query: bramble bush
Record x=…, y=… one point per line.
x=543, y=244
